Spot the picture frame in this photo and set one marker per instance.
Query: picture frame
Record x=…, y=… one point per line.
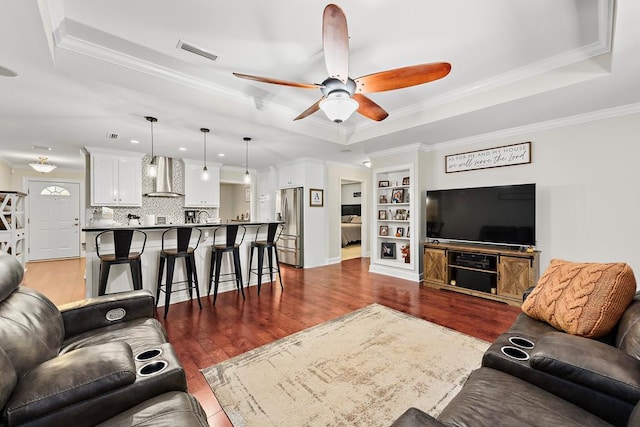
x=382, y=214
x=161, y=220
x=383, y=199
x=316, y=197
x=405, y=180
x=384, y=183
x=384, y=230
x=400, y=232
x=408, y=232
x=388, y=250
x=247, y=194
x=397, y=196
x=357, y=194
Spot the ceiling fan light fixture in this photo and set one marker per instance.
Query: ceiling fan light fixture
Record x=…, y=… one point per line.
x=42, y=165
x=339, y=106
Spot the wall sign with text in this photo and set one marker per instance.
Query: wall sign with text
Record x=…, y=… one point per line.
x=507, y=155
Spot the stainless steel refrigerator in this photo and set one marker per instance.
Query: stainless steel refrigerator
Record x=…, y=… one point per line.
x=291, y=241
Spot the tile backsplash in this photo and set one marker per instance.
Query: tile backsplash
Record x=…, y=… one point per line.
x=170, y=207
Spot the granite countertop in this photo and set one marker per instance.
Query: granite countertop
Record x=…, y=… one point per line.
x=166, y=226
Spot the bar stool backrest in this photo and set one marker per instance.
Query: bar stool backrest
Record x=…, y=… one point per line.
x=274, y=230
x=183, y=237
x=232, y=238
x=122, y=240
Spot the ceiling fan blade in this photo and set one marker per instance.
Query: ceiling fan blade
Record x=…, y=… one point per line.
x=335, y=40
x=279, y=82
x=309, y=111
x=370, y=109
x=402, y=77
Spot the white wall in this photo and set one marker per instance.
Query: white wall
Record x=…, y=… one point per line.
x=5, y=177
x=588, y=203
x=347, y=194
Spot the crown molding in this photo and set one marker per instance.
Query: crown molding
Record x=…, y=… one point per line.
x=608, y=113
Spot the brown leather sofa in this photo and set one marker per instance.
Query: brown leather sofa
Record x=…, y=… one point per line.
x=561, y=380
x=101, y=360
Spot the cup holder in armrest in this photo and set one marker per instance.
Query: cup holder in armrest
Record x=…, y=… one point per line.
x=152, y=368
x=515, y=353
x=148, y=354
x=521, y=342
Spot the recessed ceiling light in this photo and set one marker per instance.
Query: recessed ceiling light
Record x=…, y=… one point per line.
x=135, y=141
x=182, y=149
x=345, y=151
x=220, y=154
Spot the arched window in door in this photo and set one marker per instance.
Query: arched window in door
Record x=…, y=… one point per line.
x=55, y=190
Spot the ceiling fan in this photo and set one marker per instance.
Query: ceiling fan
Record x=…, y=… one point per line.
x=342, y=95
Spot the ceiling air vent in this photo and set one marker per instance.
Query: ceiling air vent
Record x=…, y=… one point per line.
x=112, y=135
x=194, y=49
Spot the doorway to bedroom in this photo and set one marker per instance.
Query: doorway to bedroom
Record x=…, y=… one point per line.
x=351, y=219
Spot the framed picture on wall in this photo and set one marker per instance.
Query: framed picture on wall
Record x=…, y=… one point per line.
x=247, y=194
x=316, y=197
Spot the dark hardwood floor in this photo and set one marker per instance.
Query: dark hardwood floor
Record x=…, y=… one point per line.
x=311, y=296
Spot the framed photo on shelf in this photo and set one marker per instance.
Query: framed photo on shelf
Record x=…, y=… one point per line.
x=316, y=197
x=382, y=214
x=388, y=250
x=405, y=180
x=397, y=196
x=400, y=232
x=408, y=232
x=383, y=199
x=384, y=230
x=384, y=183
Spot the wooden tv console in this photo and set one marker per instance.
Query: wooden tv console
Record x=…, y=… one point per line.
x=491, y=272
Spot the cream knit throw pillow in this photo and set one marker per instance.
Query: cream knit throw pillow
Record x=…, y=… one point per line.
x=585, y=299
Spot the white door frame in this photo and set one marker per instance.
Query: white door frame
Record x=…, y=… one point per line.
x=25, y=188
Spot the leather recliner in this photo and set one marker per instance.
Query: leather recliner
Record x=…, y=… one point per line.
x=80, y=364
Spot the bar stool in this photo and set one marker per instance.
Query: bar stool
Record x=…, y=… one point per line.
x=182, y=238
x=274, y=229
x=122, y=240
x=231, y=246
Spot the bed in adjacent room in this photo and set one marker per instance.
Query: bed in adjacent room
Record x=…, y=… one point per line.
x=351, y=224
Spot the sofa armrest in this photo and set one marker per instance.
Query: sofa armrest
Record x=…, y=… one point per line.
x=415, y=417
x=590, y=363
x=94, y=313
x=66, y=380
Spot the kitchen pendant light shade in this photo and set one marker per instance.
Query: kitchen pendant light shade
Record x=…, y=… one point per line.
x=205, y=171
x=247, y=175
x=339, y=106
x=152, y=169
x=42, y=165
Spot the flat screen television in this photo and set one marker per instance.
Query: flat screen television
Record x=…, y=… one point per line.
x=504, y=215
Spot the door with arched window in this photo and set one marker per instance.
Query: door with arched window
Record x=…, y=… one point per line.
x=54, y=220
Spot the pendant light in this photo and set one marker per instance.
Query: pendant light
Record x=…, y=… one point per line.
x=247, y=176
x=152, y=169
x=205, y=171
x=42, y=165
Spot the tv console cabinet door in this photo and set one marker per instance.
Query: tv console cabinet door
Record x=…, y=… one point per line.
x=435, y=266
x=515, y=276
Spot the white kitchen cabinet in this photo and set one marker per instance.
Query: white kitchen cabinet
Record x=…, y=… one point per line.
x=292, y=175
x=116, y=178
x=199, y=193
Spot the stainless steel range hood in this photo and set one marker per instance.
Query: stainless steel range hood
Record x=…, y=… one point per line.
x=164, y=180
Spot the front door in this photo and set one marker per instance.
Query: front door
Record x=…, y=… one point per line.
x=54, y=220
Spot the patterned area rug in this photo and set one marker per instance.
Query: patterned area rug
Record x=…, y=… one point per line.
x=362, y=369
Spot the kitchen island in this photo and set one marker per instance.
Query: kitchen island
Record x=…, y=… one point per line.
x=120, y=275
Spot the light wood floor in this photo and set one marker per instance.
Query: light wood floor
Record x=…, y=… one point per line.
x=351, y=251
x=311, y=296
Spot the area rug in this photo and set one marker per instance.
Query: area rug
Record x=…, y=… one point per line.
x=362, y=369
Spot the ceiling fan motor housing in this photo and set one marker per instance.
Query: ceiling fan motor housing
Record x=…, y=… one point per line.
x=335, y=86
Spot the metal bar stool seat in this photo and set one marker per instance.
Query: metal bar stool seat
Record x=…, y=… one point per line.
x=183, y=249
x=274, y=229
x=231, y=246
x=122, y=241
